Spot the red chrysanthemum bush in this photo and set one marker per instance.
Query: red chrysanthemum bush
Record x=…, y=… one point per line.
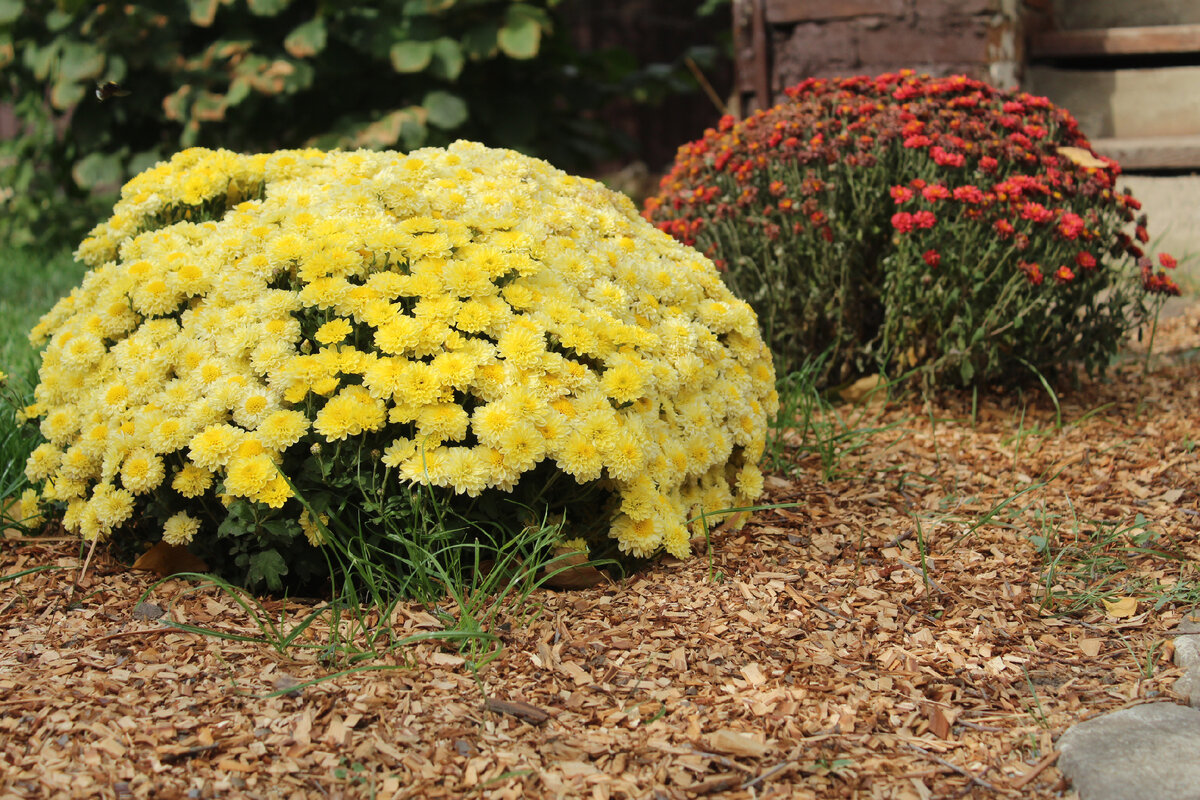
x=904, y=221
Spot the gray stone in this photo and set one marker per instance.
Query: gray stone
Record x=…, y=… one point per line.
x=1187, y=686
x=1190, y=622
x=1187, y=651
x=1147, y=751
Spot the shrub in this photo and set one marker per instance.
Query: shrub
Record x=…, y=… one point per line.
x=906, y=221
x=268, y=342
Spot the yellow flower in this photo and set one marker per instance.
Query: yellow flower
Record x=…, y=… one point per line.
x=333, y=331
x=180, y=529
x=442, y=422
x=281, y=429
x=312, y=529
x=523, y=446
x=192, y=481
x=522, y=344
x=141, y=471
x=349, y=413
x=623, y=382
x=248, y=476
x=211, y=447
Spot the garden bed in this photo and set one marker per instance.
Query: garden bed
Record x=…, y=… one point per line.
x=924, y=625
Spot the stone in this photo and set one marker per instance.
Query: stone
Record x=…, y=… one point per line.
x=1187, y=686
x=1140, y=752
x=1191, y=620
x=1187, y=651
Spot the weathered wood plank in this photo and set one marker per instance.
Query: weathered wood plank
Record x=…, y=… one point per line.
x=1079, y=14
x=784, y=11
x=1124, y=103
x=1116, y=41
x=1152, y=152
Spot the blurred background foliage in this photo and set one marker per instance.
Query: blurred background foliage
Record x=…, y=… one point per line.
x=101, y=91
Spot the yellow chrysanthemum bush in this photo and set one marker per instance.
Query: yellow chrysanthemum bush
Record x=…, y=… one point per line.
x=273, y=351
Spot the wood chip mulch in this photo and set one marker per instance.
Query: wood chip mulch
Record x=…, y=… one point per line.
x=925, y=626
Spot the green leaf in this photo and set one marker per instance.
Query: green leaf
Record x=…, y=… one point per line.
x=521, y=35
x=80, y=62
x=267, y=567
x=405, y=125
x=39, y=59
x=140, y=162
x=58, y=19
x=446, y=110
x=65, y=95
x=480, y=42
x=307, y=39
x=411, y=56
x=202, y=12
x=10, y=10
x=447, y=59
x=97, y=169
x=267, y=8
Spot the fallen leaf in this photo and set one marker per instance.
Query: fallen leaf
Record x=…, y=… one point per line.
x=168, y=559
x=570, y=570
x=717, y=783
x=1171, y=496
x=861, y=388
x=1121, y=607
x=515, y=708
x=1081, y=157
x=147, y=611
x=737, y=744
x=1090, y=647
x=287, y=683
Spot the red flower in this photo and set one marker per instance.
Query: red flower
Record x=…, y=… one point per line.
x=901, y=194
x=1064, y=274
x=1167, y=260
x=932, y=257
x=1071, y=225
x=988, y=164
x=1142, y=234
x=1004, y=228
x=969, y=194
x=935, y=192
x=945, y=159
x=1032, y=271
x=727, y=122
x=1036, y=212
x=1085, y=260
x=903, y=221
x=924, y=219
x=913, y=142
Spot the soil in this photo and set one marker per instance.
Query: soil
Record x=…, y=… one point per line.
x=984, y=573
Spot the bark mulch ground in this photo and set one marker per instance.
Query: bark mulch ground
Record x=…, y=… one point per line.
x=925, y=626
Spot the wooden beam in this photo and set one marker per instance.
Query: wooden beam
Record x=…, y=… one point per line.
x=785, y=11
x=1152, y=152
x=761, y=42
x=1116, y=41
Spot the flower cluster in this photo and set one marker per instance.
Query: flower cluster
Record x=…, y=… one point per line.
x=456, y=317
x=894, y=218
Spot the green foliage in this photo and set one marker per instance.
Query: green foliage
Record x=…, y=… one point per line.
x=903, y=222
x=258, y=75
